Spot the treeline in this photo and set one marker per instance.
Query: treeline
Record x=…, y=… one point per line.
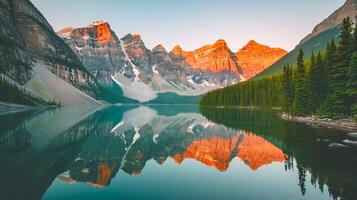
x=11, y=93
x=326, y=84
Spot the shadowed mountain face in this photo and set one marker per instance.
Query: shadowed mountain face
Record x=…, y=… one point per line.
x=30, y=48
x=41, y=151
x=349, y=9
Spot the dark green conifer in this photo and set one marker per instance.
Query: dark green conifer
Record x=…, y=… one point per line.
x=301, y=97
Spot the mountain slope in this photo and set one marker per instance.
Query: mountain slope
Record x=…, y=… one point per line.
x=28, y=40
x=349, y=9
x=316, y=41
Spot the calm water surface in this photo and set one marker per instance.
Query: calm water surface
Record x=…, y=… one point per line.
x=170, y=152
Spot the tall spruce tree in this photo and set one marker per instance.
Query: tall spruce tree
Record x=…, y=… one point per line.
x=301, y=98
x=287, y=89
x=321, y=81
x=312, y=84
x=355, y=37
x=352, y=81
x=338, y=99
x=352, y=85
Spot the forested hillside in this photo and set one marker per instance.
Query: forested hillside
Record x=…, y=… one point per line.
x=324, y=84
x=11, y=93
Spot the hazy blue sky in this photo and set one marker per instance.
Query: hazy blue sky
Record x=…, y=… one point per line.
x=193, y=23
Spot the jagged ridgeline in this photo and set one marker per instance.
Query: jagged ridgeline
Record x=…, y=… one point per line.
x=325, y=85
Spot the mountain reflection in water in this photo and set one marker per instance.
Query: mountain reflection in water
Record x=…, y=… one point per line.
x=40, y=150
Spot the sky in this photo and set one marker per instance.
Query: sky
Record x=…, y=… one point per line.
x=194, y=23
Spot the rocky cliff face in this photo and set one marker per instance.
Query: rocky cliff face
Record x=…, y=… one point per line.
x=99, y=49
x=255, y=58
x=141, y=72
x=349, y=9
x=214, y=64
x=28, y=39
x=215, y=58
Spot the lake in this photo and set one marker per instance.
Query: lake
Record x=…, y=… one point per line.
x=170, y=152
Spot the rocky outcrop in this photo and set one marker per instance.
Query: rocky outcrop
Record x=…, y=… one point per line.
x=141, y=72
x=99, y=49
x=139, y=55
x=349, y=9
x=27, y=39
x=164, y=65
x=254, y=58
x=214, y=63
x=215, y=58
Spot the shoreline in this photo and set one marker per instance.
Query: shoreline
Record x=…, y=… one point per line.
x=9, y=108
x=347, y=125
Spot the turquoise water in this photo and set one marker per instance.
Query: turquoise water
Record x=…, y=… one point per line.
x=170, y=152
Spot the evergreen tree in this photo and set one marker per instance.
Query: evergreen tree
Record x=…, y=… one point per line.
x=355, y=37
x=287, y=89
x=321, y=81
x=312, y=84
x=302, y=179
x=338, y=99
x=352, y=85
x=301, y=98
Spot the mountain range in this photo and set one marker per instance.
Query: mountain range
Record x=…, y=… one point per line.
x=92, y=65
x=143, y=73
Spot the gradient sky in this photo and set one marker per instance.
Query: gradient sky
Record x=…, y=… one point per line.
x=194, y=23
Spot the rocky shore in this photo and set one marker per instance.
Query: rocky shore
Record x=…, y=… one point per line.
x=347, y=125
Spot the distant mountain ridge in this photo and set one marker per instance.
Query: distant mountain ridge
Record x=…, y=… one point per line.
x=86, y=64
x=143, y=73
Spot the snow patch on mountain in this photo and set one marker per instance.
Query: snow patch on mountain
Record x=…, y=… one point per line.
x=134, y=89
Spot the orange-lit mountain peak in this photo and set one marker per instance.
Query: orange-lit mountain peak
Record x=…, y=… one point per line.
x=214, y=152
x=104, y=174
x=137, y=36
x=178, y=158
x=216, y=58
x=252, y=43
x=98, y=30
x=220, y=43
x=254, y=58
x=103, y=31
x=66, y=30
x=177, y=50
x=256, y=152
